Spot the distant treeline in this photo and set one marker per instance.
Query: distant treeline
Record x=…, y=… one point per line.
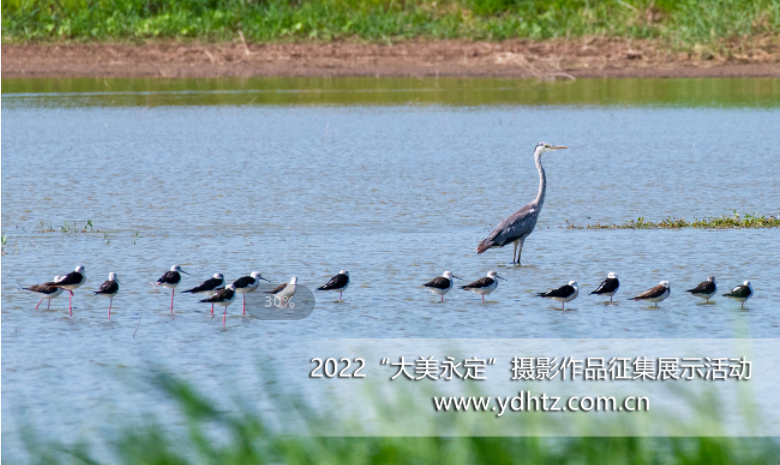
x=681, y=23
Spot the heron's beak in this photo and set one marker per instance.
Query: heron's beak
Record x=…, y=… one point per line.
x=558, y=147
x=260, y=277
x=499, y=277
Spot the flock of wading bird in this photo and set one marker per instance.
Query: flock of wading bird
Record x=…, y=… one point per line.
x=513, y=230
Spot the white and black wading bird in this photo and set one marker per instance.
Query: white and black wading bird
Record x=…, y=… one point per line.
x=705, y=289
x=71, y=282
x=208, y=287
x=285, y=292
x=442, y=284
x=655, y=294
x=484, y=286
x=171, y=279
x=563, y=294
x=608, y=287
x=109, y=289
x=516, y=228
x=247, y=284
x=338, y=283
x=741, y=293
x=223, y=297
x=47, y=291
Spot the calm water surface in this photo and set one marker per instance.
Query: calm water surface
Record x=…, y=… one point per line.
x=396, y=181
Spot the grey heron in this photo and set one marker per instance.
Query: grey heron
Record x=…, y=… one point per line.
x=521, y=223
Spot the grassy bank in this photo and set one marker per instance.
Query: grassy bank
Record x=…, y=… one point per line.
x=721, y=222
x=678, y=23
x=247, y=439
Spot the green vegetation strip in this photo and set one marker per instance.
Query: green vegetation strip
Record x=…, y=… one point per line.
x=722, y=222
x=681, y=23
x=247, y=438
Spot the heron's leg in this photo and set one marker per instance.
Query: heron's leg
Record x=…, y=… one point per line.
x=514, y=252
x=520, y=250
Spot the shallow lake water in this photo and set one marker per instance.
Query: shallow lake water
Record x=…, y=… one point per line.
x=394, y=180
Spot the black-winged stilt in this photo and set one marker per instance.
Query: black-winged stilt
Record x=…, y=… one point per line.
x=170, y=280
x=705, y=289
x=71, y=282
x=441, y=284
x=338, y=283
x=741, y=293
x=208, y=287
x=109, y=289
x=563, y=294
x=608, y=287
x=223, y=297
x=655, y=294
x=484, y=286
x=47, y=291
x=285, y=291
x=247, y=284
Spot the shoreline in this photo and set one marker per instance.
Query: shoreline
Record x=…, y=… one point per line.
x=546, y=60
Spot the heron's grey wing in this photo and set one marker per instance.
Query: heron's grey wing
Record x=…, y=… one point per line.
x=518, y=225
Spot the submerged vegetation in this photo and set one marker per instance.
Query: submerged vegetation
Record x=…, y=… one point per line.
x=248, y=439
x=680, y=23
x=721, y=222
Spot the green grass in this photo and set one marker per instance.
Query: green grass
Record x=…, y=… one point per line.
x=721, y=222
x=247, y=439
x=682, y=23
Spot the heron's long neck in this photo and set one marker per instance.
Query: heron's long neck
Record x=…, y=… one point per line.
x=542, y=181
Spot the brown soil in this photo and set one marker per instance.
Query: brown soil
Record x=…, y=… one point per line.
x=564, y=59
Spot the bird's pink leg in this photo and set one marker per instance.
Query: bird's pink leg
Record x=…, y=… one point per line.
x=70, y=303
x=442, y=298
x=173, y=292
x=48, y=306
x=340, y=295
x=224, y=315
x=244, y=308
x=563, y=306
x=483, y=298
x=36, y=307
x=110, y=301
x=212, y=309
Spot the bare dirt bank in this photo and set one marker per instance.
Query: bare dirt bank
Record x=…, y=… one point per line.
x=559, y=59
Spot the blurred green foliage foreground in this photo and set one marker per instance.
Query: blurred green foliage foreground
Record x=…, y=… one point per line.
x=681, y=23
x=214, y=436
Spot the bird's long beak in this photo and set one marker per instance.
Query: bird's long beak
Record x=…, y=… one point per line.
x=558, y=147
x=260, y=277
x=185, y=272
x=456, y=277
x=117, y=280
x=499, y=277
